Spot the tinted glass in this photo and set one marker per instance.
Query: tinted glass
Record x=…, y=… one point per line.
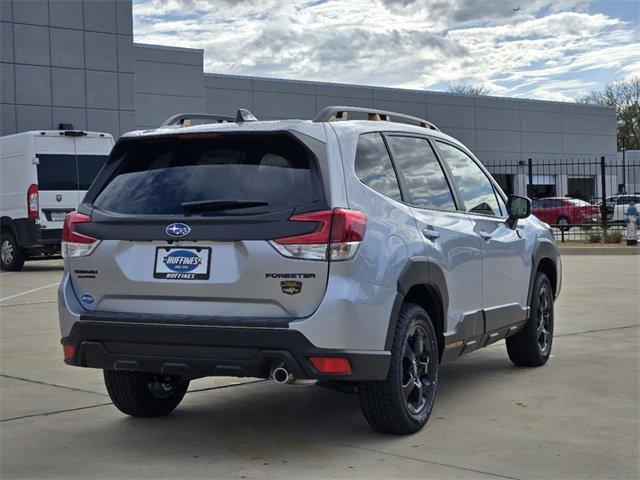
x=373, y=165
x=88, y=168
x=422, y=173
x=157, y=175
x=473, y=184
x=57, y=172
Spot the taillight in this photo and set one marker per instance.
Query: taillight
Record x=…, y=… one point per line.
x=75, y=244
x=337, y=236
x=33, y=205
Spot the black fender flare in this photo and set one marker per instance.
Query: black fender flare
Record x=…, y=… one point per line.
x=6, y=223
x=544, y=248
x=418, y=271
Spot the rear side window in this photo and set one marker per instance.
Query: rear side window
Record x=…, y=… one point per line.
x=57, y=172
x=373, y=166
x=422, y=173
x=165, y=175
x=474, y=186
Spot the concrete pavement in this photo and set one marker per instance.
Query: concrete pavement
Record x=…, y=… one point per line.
x=576, y=417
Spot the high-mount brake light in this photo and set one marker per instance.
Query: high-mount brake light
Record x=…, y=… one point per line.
x=337, y=236
x=75, y=244
x=33, y=203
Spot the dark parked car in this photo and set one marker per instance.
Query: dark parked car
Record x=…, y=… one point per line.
x=565, y=212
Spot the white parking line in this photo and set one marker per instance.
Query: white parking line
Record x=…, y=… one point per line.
x=29, y=291
x=5, y=273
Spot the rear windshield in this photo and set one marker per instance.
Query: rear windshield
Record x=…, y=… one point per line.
x=64, y=172
x=265, y=172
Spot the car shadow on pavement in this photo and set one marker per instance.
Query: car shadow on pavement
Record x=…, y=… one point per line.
x=37, y=266
x=254, y=420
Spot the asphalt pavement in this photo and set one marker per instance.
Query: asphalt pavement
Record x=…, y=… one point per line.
x=576, y=417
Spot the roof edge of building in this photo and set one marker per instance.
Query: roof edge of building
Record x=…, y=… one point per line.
x=398, y=89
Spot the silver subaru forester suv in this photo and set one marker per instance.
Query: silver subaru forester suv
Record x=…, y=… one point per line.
x=360, y=250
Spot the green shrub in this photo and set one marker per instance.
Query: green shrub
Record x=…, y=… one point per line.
x=613, y=237
x=595, y=238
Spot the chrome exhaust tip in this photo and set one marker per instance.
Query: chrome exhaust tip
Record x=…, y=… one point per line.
x=279, y=374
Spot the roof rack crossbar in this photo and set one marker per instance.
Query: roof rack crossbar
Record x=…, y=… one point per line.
x=184, y=119
x=337, y=113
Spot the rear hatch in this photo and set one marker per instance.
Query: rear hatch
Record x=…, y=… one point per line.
x=66, y=167
x=184, y=223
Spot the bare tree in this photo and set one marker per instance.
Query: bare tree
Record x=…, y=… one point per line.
x=624, y=95
x=468, y=89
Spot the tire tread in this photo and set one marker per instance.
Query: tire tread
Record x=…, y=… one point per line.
x=378, y=400
x=130, y=394
x=522, y=347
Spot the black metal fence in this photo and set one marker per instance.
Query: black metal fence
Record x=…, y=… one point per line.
x=584, y=199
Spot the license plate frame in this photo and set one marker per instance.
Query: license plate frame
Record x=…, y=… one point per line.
x=58, y=216
x=182, y=265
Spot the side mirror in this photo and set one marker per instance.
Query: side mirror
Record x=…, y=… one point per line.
x=518, y=207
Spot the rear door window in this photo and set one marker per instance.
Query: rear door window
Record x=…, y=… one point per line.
x=373, y=166
x=88, y=168
x=57, y=172
x=224, y=174
x=421, y=172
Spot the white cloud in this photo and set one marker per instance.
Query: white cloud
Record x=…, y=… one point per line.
x=530, y=49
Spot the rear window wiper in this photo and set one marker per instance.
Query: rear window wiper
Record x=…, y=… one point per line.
x=216, y=205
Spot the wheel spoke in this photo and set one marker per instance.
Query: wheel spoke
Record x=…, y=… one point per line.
x=423, y=366
x=419, y=386
x=408, y=387
x=408, y=353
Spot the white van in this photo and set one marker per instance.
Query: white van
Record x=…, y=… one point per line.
x=43, y=176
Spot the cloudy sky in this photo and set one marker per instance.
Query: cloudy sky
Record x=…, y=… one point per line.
x=546, y=49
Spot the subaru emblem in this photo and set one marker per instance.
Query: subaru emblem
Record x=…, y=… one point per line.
x=87, y=298
x=178, y=229
x=58, y=198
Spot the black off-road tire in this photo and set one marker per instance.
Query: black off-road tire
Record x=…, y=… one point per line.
x=14, y=261
x=524, y=348
x=383, y=402
x=131, y=393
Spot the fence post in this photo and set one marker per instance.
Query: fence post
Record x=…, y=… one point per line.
x=603, y=171
x=530, y=182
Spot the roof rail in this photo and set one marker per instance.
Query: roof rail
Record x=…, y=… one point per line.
x=184, y=119
x=337, y=113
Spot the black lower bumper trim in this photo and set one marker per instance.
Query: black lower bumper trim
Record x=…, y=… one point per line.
x=197, y=350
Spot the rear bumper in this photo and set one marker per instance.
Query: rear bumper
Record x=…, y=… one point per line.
x=177, y=348
x=29, y=234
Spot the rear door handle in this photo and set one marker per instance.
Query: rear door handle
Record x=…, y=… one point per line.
x=430, y=234
x=485, y=235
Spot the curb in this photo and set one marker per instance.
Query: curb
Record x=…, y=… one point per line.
x=621, y=250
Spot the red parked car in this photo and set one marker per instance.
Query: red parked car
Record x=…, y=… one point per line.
x=565, y=212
